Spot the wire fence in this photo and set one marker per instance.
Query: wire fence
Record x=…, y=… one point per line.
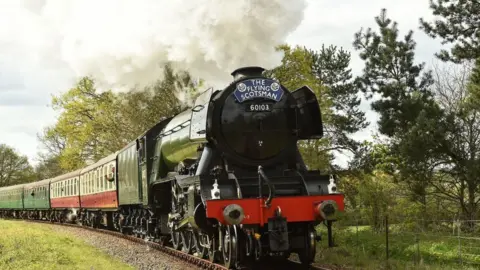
x=398, y=242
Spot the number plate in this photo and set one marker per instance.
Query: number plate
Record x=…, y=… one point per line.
x=259, y=108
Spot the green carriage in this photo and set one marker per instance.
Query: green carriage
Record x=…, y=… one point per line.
x=11, y=198
x=36, y=195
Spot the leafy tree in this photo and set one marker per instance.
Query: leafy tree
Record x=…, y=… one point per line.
x=93, y=124
x=454, y=151
x=374, y=156
x=377, y=193
x=459, y=25
x=81, y=132
x=14, y=168
x=48, y=166
x=52, y=140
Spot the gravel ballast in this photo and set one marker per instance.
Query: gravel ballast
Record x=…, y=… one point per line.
x=135, y=254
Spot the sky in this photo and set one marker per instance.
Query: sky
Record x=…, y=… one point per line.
x=40, y=55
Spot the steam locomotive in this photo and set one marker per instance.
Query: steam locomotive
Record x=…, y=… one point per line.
x=222, y=180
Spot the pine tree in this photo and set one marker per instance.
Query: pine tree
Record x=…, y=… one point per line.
x=390, y=71
x=460, y=25
x=404, y=97
x=331, y=68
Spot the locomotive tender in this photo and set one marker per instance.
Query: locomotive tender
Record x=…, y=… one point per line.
x=223, y=179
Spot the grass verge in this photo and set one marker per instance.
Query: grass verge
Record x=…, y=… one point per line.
x=365, y=249
x=35, y=246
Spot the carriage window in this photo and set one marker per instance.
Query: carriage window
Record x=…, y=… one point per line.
x=91, y=183
x=105, y=176
x=109, y=184
x=110, y=170
x=102, y=178
x=97, y=180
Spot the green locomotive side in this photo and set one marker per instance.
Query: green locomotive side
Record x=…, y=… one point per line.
x=36, y=195
x=135, y=166
x=128, y=178
x=11, y=197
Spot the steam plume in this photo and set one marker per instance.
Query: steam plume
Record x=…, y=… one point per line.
x=125, y=43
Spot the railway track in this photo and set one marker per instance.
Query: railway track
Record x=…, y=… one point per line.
x=190, y=259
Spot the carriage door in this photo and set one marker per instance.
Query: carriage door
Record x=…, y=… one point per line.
x=142, y=169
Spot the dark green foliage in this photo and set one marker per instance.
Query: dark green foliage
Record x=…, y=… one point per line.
x=14, y=168
x=48, y=166
x=432, y=131
x=474, y=85
x=459, y=25
x=331, y=68
x=390, y=72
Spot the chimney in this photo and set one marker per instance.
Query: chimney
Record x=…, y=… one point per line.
x=247, y=72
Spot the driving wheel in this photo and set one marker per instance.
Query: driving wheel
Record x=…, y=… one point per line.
x=230, y=246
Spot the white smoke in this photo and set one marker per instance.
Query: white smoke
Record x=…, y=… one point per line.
x=123, y=43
